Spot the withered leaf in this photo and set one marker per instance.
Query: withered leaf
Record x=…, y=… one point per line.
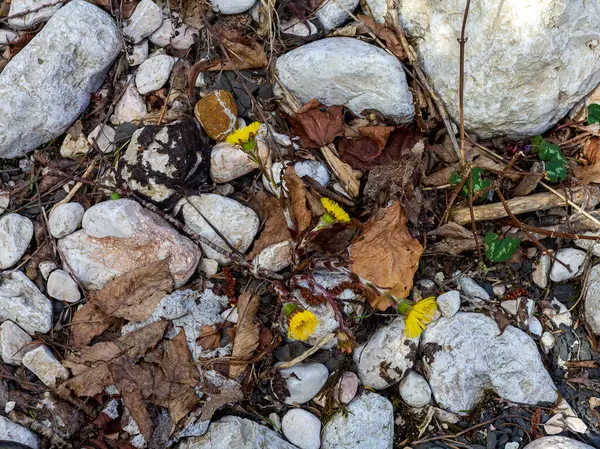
x=275, y=229
x=244, y=52
x=361, y=153
x=318, y=125
x=298, y=193
x=454, y=231
x=209, y=338
x=88, y=383
x=247, y=334
x=378, y=134
x=389, y=36
x=88, y=322
x=386, y=254
x=590, y=173
x=225, y=396
x=400, y=142
x=440, y=177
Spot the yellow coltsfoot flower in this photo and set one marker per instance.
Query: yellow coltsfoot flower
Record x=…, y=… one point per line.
x=417, y=316
x=334, y=212
x=245, y=137
x=301, y=323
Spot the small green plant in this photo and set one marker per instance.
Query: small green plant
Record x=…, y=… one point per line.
x=478, y=182
x=555, y=161
x=593, y=114
x=500, y=250
x=115, y=196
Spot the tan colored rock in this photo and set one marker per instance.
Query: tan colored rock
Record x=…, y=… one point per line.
x=217, y=113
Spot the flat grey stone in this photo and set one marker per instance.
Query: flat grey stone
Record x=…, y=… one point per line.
x=304, y=381
x=16, y=233
x=154, y=73
x=592, y=299
x=47, y=85
x=144, y=21
x=65, y=219
x=16, y=433
x=42, y=362
x=333, y=13
x=232, y=6
x=556, y=442
x=13, y=343
x=27, y=21
x=61, y=286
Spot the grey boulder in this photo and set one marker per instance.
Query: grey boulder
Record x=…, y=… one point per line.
x=592, y=299
x=349, y=72
x=47, y=85
x=556, y=442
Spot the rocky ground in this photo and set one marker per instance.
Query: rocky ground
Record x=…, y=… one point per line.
x=220, y=220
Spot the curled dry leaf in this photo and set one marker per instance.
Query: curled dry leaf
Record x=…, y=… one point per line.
x=590, y=174
x=247, y=333
x=389, y=36
x=209, y=338
x=295, y=186
x=378, y=134
x=318, y=125
x=225, y=396
x=386, y=254
x=275, y=229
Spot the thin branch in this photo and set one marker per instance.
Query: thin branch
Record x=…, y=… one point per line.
x=461, y=87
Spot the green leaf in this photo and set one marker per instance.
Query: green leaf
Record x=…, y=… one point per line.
x=500, y=250
x=115, y=196
x=478, y=182
x=551, y=154
x=593, y=113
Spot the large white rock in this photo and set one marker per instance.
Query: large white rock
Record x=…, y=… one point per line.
x=236, y=222
x=368, y=424
x=22, y=303
x=556, y=442
x=304, y=381
x=527, y=62
x=42, y=13
x=232, y=6
x=154, y=73
x=467, y=354
x=13, y=341
x=592, y=299
x=16, y=232
x=42, y=362
x=415, y=390
x=119, y=236
x=47, y=85
x=346, y=71
x=10, y=431
x=65, y=219
x=144, y=21
x=302, y=428
x=61, y=286
x=333, y=13
x=233, y=432
x=572, y=257
x=386, y=356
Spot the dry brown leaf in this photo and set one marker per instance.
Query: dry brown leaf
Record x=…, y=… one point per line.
x=590, y=174
x=454, y=231
x=88, y=322
x=386, y=254
x=89, y=383
x=247, y=333
x=135, y=295
x=245, y=53
x=378, y=134
x=318, y=125
x=440, y=177
x=225, y=396
x=389, y=36
x=209, y=338
x=275, y=229
x=298, y=193
x=361, y=153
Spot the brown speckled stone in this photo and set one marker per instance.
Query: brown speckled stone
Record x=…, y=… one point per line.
x=217, y=113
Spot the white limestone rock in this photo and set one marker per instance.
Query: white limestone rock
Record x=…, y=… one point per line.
x=368, y=424
x=541, y=273
x=300, y=28
x=65, y=219
x=42, y=362
x=575, y=258
x=28, y=21
x=144, y=21
x=22, y=303
x=592, y=299
x=137, y=53
x=449, y=303
x=104, y=136
x=10, y=431
x=119, y=236
x=232, y=6
x=415, y=390
x=154, y=73
x=16, y=233
x=130, y=107
x=229, y=162
x=332, y=13
x=304, y=381
x=373, y=79
x=46, y=268
x=178, y=35
x=236, y=222
x=47, y=85
x=13, y=343
x=472, y=289
x=315, y=169
x=61, y=286
x=378, y=9
x=7, y=36
x=274, y=257
x=302, y=428
x=527, y=63
x=556, y=442
x=467, y=354
x=233, y=432
x=386, y=356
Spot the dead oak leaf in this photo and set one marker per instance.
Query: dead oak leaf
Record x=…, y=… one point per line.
x=389, y=36
x=378, y=134
x=275, y=229
x=88, y=322
x=226, y=396
x=247, y=333
x=590, y=174
x=209, y=338
x=298, y=193
x=318, y=125
x=386, y=254
x=244, y=52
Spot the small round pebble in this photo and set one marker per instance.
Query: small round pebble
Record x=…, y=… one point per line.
x=154, y=73
x=46, y=268
x=16, y=232
x=61, y=286
x=449, y=303
x=548, y=341
x=535, y=327
x=302, y=429
x=415, y=390
x=65, y=219
x=304, y=381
